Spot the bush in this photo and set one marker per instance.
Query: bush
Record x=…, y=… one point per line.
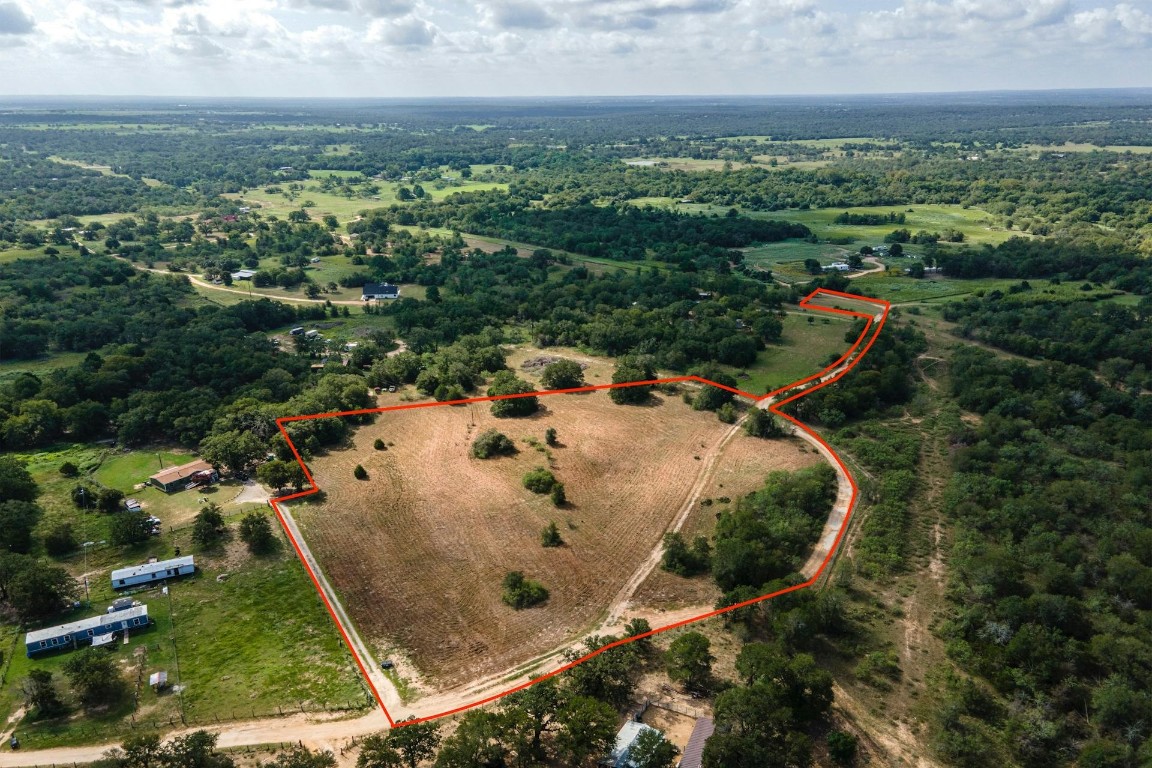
x=492, y=443
x=681, y=560
x=68, y=469
x=256, y=532
x=379, y=445
x=539, y=480
x=559, y=497
x=727, y=413
x=550, y=536
x=631, y=370
x=506, y=383
x=520, y=592
x=563, y=374
x=762, y=424
x=550, y=437
x=842, y=747
x=360, y=472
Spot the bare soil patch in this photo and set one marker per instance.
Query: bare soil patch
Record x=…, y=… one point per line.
x=418, y=550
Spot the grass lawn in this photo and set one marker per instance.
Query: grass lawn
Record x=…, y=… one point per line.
x=41, y=365
x=786, y=259
x=805, y=349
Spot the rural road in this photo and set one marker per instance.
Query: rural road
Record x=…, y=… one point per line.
x=877, y=267
x=250, y=294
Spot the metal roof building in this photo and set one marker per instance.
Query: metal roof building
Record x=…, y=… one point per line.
x=71, y=635
x=625, y=740
x=694, y=749
x=153, y=572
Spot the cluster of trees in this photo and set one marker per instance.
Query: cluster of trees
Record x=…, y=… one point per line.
x=520, y=592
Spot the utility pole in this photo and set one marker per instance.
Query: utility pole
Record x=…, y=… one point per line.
x=175, y=655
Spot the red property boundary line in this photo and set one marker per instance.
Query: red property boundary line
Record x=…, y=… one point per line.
x=871, y=332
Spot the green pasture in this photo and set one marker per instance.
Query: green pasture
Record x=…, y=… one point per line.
x=1072, y=147
x=786, y=259
x=806, y=348
x=978, y=226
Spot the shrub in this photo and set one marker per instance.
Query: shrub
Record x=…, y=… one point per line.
x=68, y=469
x=521, y=592
x=842, y=747
x=559, y=497
x=539, y=480
x=492, y=443
x=763, y=424
x=379, y=445
x=681, y=560
x=631, y=370
x=256, y=532
x=563, y=374
x=550, y=536
x=550, y=436
x=506, y=383
x=60, y=540
x=360, y=472
x=727, y=413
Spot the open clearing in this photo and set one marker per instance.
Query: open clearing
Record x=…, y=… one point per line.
x=418, y=550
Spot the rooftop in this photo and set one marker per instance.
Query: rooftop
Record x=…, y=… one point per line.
x=147, y=568
x=83, y=625
x=694, y=749
x=172, y=474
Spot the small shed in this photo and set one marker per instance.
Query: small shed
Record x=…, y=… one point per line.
x=694, y=749
x=625, y=740
x=158, y=680
x=192, y=474
x=76, y=633
x=243, y=274
x=149, y=573
x=381, y=291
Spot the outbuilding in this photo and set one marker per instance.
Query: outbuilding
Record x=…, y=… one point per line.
x=694, y=749
x=625, y=741
x=381, y=291
x=188, y=475
x=149, y=573
x=77, y=633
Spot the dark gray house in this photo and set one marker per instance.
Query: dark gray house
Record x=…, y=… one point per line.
x=381, y=291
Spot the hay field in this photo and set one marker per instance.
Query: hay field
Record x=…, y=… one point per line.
x=417, y=551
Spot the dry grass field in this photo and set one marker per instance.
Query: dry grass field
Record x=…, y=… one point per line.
x=417, y=551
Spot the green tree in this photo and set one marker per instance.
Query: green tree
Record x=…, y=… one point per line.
x=36, y=591
x=492, y=443
x=276, y=474
x=417, y=742
x=40, y=695
x=632, y=369
x=689, y=661
x=539, y=480
x=360, y=473
x=652, y=750
x=208, y=528
x=506, y=383
x=477, y=743
x=130, y=528
x=528, y=715
x=61, y=540
x=609, y=676
x=521, y=592
x=256, y=532
x=17, y=519
x=142, y=750
x=842, y=747
x=550, y=536
x=558, y=495
x=302, y=757
x=378, y=751
x=562, y=374
x=550, y=437
x=94, y=677
x=761, y=423
x=234, y=450
x=587, y=729
x=15, y=482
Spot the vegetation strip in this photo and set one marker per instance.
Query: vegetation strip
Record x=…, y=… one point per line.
x=873, y=325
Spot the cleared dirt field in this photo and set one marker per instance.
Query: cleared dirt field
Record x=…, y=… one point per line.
x=742, y=468
x=418, y=550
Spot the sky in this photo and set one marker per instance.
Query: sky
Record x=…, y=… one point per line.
x=440, y=48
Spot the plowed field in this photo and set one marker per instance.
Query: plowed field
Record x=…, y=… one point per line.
x=418, y=550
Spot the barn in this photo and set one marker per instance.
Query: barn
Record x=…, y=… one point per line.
x=77, y=633
x=381, y=291
x=149, y=573
x=189, y=475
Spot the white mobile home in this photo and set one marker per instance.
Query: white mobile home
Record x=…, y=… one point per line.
x=149, y=573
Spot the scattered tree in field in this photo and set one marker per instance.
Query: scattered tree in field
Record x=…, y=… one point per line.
x=61, y=540
x=562, y=374
x=550, y=437
x=520, y=592
x=256, y=532
x=539, y=480
x=108, y=500
x=632, y=369
x=40, y=695
x=652, y=750
x=708, y=397
x=813, y=267
x=32, y=589
x=727, y=413
x=681, y=560
x=558, y=495
x=208, y=529
x=492, y=443
x=689, y=661
x=379, y=445
x=761, y=423
x=360, y=472
x=15, y=482
x=94, y=677
x=130, y=528
x=68, y=469
x=550, y=536
x=506, y=383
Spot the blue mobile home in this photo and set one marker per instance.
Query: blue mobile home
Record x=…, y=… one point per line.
x=149, y=573
x=77, y=633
